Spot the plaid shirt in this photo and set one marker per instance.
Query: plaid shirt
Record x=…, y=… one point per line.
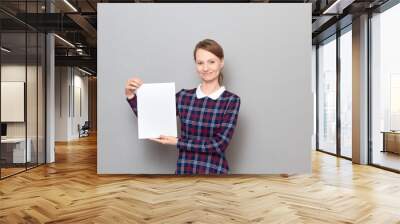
x=207, y=126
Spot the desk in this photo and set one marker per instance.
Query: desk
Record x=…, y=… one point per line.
x=391, y=141
x=17, y=150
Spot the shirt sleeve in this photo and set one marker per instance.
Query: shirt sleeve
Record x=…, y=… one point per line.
x=133, y=103
x=222, y=136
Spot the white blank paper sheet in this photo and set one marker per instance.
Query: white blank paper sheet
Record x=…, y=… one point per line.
x=156, y=110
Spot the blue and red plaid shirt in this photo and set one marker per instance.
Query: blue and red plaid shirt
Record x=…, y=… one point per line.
x=207, y=127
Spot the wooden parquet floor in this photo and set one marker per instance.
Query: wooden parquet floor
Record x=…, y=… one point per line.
x=70, y=191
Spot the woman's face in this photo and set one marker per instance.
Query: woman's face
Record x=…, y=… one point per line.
x=208, y=65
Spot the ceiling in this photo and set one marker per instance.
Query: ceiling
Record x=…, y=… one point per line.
x=76, y=22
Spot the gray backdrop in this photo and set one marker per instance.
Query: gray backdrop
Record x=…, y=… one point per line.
x=267, y=63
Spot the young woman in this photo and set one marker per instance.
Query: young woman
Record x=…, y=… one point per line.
x=208, y=115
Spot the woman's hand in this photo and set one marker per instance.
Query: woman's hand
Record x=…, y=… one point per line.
x=131, y=86
x=166, y=140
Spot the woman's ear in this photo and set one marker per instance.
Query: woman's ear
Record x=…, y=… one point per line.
x=222, y=63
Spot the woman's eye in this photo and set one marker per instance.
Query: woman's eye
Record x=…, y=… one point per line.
x=212, y=62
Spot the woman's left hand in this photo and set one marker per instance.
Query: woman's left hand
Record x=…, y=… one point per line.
x=166, y=140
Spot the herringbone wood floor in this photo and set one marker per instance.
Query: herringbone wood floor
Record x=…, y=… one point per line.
x=70, y=191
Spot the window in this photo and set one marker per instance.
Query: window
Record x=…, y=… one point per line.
x=346, y=93
x=385, y=88
x=327, y=96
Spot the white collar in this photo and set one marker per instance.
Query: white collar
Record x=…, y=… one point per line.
x=214, y=95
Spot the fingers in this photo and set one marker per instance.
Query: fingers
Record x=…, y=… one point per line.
x=166, y=137
x=132, y=85
x=165, y=140
x=136, y=81
x=154, y=139
x=157, y=140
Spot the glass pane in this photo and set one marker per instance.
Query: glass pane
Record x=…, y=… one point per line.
x=31, y=100
x=22, y=102
x=41, y=98
x=327, y=96
x=314, y=74
x=13, y=86
x=346, y=93
x=386, y=89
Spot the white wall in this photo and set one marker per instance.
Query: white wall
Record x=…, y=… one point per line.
x=15, y=72
x=80, y=83
x=61, y=103
x=12, y=73
x=67, y=117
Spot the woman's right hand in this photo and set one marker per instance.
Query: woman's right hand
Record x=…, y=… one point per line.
x=131, y=86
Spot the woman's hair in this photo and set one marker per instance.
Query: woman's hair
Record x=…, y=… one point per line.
x=213, y=47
